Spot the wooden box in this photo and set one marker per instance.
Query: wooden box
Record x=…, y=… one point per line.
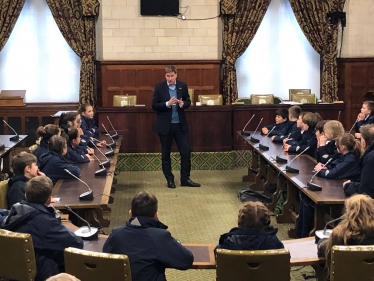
x=12, y=97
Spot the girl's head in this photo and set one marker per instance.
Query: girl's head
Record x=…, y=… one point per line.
x=347, y=143
x=333, y=129
x=48, y=131
x=74, y=137
x=367, y=107
x=86, y=110
x=58, y=144
x=281, y=115
x=319, y=128
x=70, y=120
x=253, y=215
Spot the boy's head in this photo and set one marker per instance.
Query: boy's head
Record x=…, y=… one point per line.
x=319, y=128
x=367, y=135
x=333, y=129
x=281, y=115
x=367, y=107
x=58, y=144
x=144, y=204
x=294, y=112
x=25, y=164
x=310, y=119
x=38, y=190
x=253, y=215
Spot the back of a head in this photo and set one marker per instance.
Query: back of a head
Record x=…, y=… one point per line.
x=311, y=119
x=367, y=133
x=72, y=134
x=57, y=144
x=63, y=277
x=144, y=204
x=48, y=131
x=294, y=111
x=253, y=215
x=21, y=161
x=333, y=128
x=66, y=117
x=359, y=214
x=282, y=112
x=350, y=143
x=38, y=189
x=320, y=125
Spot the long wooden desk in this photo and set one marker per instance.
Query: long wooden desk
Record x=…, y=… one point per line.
x=8, y=147
x=328, y=201
x=68, y=190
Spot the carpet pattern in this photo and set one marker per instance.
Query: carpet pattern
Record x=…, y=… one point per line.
x=194, y=215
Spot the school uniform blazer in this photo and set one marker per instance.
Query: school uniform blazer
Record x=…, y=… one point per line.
x=308, y=138
x=344, y=167
x=324, y=153
x=164, y=113
x=279, y=128
x=369, y=120
x=291, y=130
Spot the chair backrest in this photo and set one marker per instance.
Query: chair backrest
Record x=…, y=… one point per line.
x=262, y=99
x=243, y=100
x=352, y=263
x=298, y=92
x=124, y=100
x=211, y=99
x=94, y=266
x=191, y=93
x=278, y=100
x=17, y=258
x=3, y=192
x=264, y=265
x=304, y=98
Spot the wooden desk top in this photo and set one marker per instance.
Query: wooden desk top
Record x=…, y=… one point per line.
x=9, y=144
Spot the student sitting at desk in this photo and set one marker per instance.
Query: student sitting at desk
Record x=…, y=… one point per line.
x=53, y=163
x=88, y=125
x=281, y=124
x=292, y=130
x=147, y=243
x=49, y=236
x=366, y=116
x=254, y=231
x=326, y=147
x=366, y=184
x=75, y=153
x=45, y=133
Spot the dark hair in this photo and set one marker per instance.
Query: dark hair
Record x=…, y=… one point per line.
x=48, y=131
x=21, y=161
x=253, y=215
x=57, y=144
x=66, y=117
x=350, y=143
x=72, y=134
x=320, y=125
x=170, y=68
x=370, y=105
x=83, y=107
x=38, y=189
x=282, y=112
x=144, y=204
x=294, y=111
x=367, y=133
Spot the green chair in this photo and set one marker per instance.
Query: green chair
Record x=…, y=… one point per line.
x=262, y=99
x=243, y=100
x=278, y=100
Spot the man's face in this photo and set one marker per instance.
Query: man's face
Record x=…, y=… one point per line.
x=171, y=77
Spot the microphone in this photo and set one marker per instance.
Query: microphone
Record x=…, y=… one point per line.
x=246, y=133
x=88, y=195
x=294, y=170
x=339, y=115
x=100, y=172
x=113, y=144
x=14, y=138
x=264, y=147
x=353, y=126
x=252, y=139
x=106, y=163
x=85, y=232
x=280, y=159
x=116, y=136
x=315, y=187
x=325, y=233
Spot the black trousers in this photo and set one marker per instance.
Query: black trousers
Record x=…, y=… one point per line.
x=305, y=221
x=181, y=139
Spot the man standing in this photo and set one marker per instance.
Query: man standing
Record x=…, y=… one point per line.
x=147, y=243
x=170, y=98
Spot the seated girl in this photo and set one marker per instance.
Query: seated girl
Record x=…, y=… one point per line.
x=88, y=125
x=254, y=231
x=75, y=153
x=53, y=163
x=326, y=147
x=45, y=133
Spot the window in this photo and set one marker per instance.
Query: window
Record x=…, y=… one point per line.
x=279, y=57
x=37, y=58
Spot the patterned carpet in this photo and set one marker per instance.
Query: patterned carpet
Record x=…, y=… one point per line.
x=194, y=215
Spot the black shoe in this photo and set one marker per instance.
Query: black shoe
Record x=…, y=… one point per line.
x=190, y=183
x=171, y=184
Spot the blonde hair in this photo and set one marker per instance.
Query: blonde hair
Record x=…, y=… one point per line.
x=356, y=225
x=334, y=128
x=253, y=215
x=350, y=143
x=63, y=277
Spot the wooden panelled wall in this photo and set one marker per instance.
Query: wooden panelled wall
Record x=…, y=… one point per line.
x=140, y=77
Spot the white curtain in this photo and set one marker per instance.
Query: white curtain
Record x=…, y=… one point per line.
x=279, y=57
x=37, y=58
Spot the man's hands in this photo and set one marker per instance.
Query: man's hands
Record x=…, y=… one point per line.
x=174, y=100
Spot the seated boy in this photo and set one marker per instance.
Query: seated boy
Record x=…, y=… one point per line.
x=292, y=131
x=24, y=168
x=49, y=236
x=147, y=243
x=366, y=116
x=281, y=123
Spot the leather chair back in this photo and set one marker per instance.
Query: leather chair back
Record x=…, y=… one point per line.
x=124, y=100
x=298, y=92
x=262, y=99
x=3, y=192
x=211, y=99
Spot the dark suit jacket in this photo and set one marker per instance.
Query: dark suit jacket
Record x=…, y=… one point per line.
x=163, y=118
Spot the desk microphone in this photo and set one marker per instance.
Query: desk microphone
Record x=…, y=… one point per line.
x=14, y=138
x=106, y=163
x=113, y=144
x=246, y=133
x=264, y=147
x=289, y=169
x=88, y=195
x=315, y=187
x=353, y=126
x=339, y=115
x=100, y=172
x=252, y=139
x=85, y=232
x=325, y=233
x=116, y=136
x=280, y=159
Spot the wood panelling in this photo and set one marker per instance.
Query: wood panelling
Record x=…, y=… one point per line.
x=139, y=78
x=356, y=79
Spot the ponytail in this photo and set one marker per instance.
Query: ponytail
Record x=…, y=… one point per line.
x=350, y=143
